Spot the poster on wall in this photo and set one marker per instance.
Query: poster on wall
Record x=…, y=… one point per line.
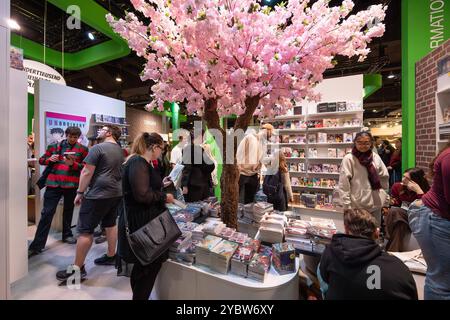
x=16, y=58
x=57, y=123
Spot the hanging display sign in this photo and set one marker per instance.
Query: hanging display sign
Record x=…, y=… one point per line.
x=40, y=71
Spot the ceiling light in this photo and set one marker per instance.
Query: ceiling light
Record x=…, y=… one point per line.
x=13, y=25
x=391, y=76
x=119, y=78
x=91, y=36
x=374, y=110
x=89, y=86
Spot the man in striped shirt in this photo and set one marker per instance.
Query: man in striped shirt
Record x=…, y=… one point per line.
x=66, y=159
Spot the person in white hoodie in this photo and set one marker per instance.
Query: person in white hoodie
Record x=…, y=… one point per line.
x=364, y=178
x=249, y=157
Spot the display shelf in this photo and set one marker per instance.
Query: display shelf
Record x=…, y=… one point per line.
x=284, y=131
x=335, y=114
x=326, y=129
x=326, y=159
x=299, y=173
x=318, y=188
x=300, y=206
x=286, y=118
x=325, y=144
x=295, y=159
x=102, y=123
x=286, y=144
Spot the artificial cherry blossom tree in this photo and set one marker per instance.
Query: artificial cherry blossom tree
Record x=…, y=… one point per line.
x=236, y=57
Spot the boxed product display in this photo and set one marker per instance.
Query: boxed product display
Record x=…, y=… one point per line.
x=332, y=107
x=283, y=257
x=341, y=106
x=312, y=152
x=321, y=137
x=322, y=107
x=332, y=153
x=309, y=200
x=312, y=138
x=348, y=137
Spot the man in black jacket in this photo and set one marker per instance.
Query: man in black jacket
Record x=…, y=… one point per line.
x=354, y=267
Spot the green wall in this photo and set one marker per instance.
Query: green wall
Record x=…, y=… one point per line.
x=425, y=25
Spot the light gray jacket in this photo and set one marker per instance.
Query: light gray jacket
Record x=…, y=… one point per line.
x=354, y=187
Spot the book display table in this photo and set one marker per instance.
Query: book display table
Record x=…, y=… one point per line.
x=177, y=281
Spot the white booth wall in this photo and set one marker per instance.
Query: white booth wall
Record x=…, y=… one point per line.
x=50, y=97
x=17, y=186
x=4, y=160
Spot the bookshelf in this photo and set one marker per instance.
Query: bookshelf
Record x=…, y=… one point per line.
x=315, y=144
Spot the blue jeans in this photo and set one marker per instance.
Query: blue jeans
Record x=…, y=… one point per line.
x=433, y=235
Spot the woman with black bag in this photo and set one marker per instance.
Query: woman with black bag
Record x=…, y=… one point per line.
x=144, y=201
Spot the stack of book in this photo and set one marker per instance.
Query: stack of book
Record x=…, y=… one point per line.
x=260, y=264
x=227, y=233
x=324, y=228
x=182, y=243
x=283, y=257
x=203, y=250
x=239, y=237
x=272, y=228
x=187, y=226
x=241, y=259
x=197, y=233
x=213, y=227
x=221, y=255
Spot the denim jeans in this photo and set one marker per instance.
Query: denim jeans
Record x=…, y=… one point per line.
x=51, y=200
x=433, y=235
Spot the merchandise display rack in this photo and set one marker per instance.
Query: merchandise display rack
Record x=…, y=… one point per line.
x=117, y=121
x=442, y=110
x=322, y=157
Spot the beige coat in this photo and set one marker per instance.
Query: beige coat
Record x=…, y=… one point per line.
x=354, y=187
x=249, y=155
x=287, y=185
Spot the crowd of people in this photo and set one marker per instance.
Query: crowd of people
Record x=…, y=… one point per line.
x=104, y=181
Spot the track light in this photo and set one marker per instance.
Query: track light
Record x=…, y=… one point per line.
x=89, y=86
x=91, y=36
x=119, y=78
x=391, y=76
x=13, y=25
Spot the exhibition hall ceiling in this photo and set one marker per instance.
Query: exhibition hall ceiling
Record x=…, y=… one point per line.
x=44, y=23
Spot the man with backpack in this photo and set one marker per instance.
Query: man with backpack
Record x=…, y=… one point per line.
x=65, y=160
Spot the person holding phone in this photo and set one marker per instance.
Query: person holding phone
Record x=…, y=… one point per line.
x=66, y=159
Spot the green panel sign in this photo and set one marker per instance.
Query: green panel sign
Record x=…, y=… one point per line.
x=93, y=15
x=425, y=26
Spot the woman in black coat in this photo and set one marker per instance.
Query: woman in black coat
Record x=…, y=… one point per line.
x=144, y=200
x=196, y=180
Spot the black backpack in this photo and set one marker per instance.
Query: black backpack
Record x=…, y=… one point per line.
x=273, y=186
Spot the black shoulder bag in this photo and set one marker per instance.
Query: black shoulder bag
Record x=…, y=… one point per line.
x=48, y=169
x=153, y=239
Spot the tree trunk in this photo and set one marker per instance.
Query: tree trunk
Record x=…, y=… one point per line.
x=229, y=182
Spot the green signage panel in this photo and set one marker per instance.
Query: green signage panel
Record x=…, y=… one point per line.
x=425, y=26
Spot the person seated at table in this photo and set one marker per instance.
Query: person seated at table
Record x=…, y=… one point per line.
x=353, y=266
x=413, y=186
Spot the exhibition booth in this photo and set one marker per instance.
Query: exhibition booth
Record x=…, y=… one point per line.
x=260, y=259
